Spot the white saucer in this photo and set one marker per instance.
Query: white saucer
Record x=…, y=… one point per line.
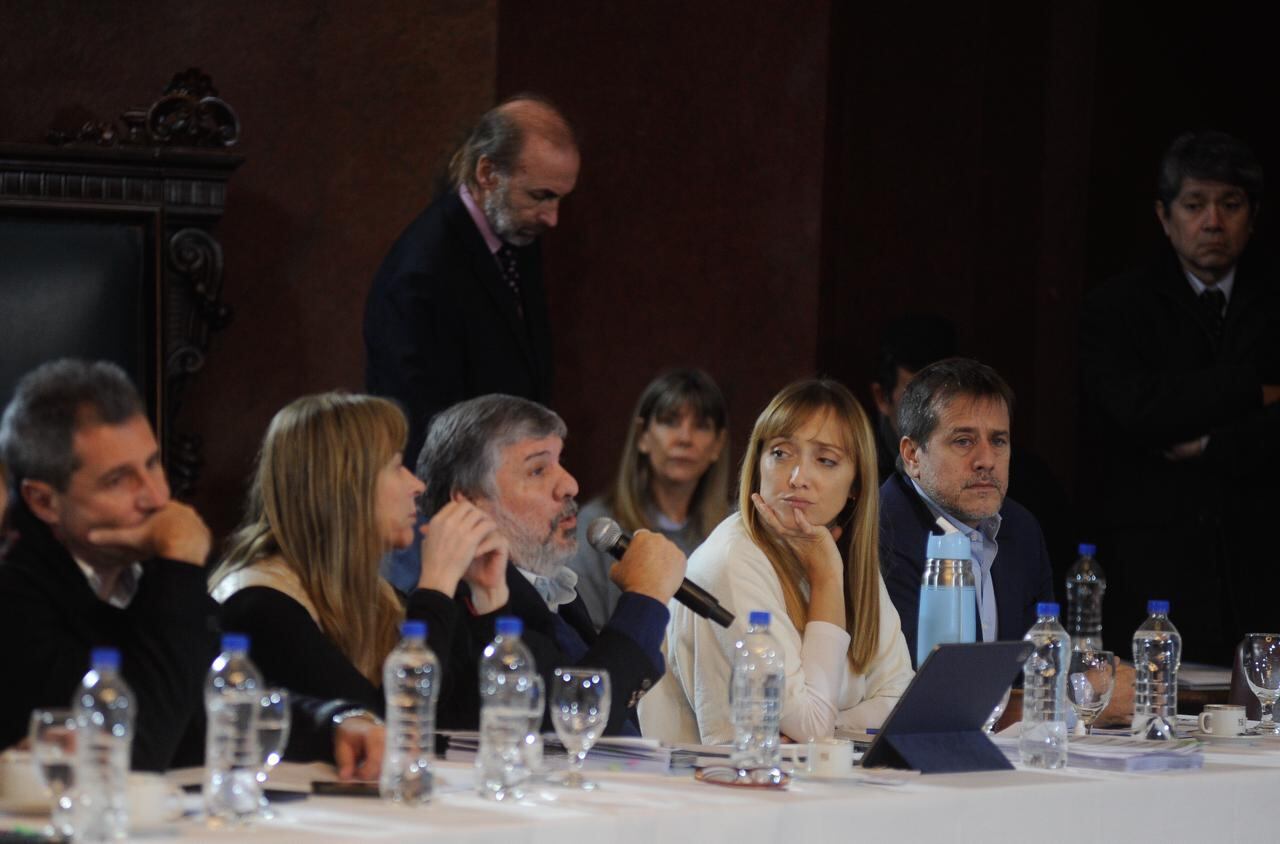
x=1196, y=734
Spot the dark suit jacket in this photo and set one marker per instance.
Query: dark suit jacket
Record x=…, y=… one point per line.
x=1021, y=573
x=50, y=619
x=441, y=325
x=1152, y=377
x=628, y=647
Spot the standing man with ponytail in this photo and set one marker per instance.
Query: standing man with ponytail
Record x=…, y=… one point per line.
x=458, y=308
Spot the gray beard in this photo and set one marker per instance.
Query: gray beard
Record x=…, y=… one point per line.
x=497, y=210
x=529, y=552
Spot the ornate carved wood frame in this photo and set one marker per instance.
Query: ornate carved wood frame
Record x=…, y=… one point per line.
x=177, y=194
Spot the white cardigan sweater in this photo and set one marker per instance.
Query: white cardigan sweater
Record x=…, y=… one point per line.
x=691, y=703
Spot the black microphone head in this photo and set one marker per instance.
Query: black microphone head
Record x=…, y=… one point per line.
x=603, y=534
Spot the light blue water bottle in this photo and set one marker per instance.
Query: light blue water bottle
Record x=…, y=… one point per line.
x=411, y=684
x=1042, y=742
x=948, y=595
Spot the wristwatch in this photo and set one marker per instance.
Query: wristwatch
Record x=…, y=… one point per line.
x=355, y=713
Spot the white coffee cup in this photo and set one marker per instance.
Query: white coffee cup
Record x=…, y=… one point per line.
x=21, y=790
x=1220, y=719
x=152, y=800
x=830, y=757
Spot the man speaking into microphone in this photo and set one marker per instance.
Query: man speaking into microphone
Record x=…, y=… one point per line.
x=502, y=454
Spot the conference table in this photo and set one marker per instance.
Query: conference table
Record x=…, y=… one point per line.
x=1232, y=798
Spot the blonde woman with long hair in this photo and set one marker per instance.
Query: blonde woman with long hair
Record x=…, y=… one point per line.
x=330, y=497
x=808, y=481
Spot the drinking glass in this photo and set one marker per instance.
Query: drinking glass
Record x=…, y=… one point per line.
x=1090, y=681
x=1261, y=659
x=579, y=711
x=990, y=725
x=53, y=746
x=272, y=722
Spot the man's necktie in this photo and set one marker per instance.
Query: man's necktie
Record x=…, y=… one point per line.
x=511, y=274
x=1214, y=302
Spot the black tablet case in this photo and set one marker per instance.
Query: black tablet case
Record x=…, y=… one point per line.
x=936, y=728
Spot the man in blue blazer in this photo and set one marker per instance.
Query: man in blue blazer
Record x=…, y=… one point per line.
x=458, y=307
x=953, y=475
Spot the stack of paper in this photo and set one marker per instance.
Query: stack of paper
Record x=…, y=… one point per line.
x=1121, y=753
x=636, y=755
x=1200, y=677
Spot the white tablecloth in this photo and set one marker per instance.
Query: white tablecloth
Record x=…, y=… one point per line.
x=1232, y=799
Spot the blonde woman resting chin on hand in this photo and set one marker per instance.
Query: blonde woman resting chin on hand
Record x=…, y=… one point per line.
x=808, y=481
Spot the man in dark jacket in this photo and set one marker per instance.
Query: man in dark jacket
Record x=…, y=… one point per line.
x=954, y=457
x=103, y=556
x=502, y=454
x=458, y=308
x=1180, y=367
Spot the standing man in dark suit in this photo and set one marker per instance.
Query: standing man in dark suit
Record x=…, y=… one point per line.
x=954, y=470
x=458, y=308
x=502, y=454
x=1181, y=376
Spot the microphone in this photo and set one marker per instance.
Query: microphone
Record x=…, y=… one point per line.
x=607, y=536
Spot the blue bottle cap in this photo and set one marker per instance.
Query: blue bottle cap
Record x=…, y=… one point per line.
x=413, y=629
x=1087, y=549
x=1157, y=607
x=758, y=618
x=509, y=625
x=235, y=642
x=1047, y=608
x=100, y=658
x=948, y=546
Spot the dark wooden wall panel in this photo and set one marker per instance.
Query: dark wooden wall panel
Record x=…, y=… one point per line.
x=347, y=111
x=939, y=172
x=764, y=185
x=693, y=237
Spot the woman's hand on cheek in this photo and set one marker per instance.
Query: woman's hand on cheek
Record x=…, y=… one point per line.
x=815, y=545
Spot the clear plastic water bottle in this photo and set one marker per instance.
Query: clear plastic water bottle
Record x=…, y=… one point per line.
x=104, y=712
x=756, y=695
x=510, y=713
x=948, y=595
x=1157, y=654
x=1086, y=584
x=411, y=683
x=1042, y=742
x=232, y=793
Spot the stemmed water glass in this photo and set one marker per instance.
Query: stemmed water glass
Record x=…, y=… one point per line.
x=1090, y=681
x=579, y=710
x=1261, y=659
x=53, y=744
x=272, y=722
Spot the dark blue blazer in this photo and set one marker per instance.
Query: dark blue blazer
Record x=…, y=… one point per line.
x=441, y=325
x=1021, y=573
